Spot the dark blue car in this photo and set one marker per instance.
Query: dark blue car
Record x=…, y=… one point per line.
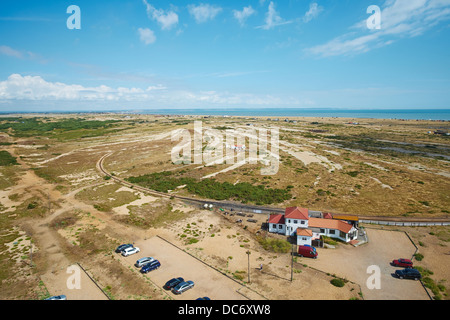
x=122, y=247
x=151, y=266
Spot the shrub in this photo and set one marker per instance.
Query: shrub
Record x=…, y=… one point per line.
x=6, y=159
x=352, y=173
x=418, y=256
x=275, y=245
x=338, y=282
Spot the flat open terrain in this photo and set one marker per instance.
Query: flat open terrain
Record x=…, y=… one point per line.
x=57, y=209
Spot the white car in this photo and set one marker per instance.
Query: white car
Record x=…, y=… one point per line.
x=130, y=251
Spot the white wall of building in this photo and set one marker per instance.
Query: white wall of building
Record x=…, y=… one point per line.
x=277, y=228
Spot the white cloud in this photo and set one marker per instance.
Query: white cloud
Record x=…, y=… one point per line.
x=35, y=88
x=20, y=91
x=20, y=54
x=204, y=12
x=243, y=15
x=273, y=18
x=147, y=36
x=8, y=51
x=165, y=20
x=313, y=12
x=399, y=18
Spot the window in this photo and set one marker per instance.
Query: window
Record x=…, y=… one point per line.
x=304, y=238
x=289, y=220
x=322, y=230
x=295, y=221
x=302, y=221
x=280, y=226
x=332, y=231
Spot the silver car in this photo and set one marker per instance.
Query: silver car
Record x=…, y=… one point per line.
x=143, y=261
x=182, y=287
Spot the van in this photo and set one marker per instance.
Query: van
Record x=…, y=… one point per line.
x=139, y=263
x=307, y=251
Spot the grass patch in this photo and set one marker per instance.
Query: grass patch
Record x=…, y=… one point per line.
x=275, y=245
x=105, y=198
x=6, y=159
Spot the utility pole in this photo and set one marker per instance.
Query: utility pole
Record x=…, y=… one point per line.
x=292, y=263
x=31, y=253
x=248, y=256
x=49, y=202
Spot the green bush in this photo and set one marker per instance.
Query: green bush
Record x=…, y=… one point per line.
x=212, y=189
x=418, y=256
x=338, y=282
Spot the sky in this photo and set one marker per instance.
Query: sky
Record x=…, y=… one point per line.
x=148, y=54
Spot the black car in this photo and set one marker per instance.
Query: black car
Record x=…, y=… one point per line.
x=123, y=247
x=173, y=283
x=408, y=273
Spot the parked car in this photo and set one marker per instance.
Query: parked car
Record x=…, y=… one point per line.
x=172, y=283
x=129, y=251
x=182, y=287
x=404, y=263
x=122, y=247
x=204, y=298
x=307, y=251
x=408, y=273
x=141, y=262
x=60, y=297
x=151, y=266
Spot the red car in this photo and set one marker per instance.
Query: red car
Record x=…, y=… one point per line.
x=404, y=263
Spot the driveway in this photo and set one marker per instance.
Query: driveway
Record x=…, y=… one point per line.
x=352, y=263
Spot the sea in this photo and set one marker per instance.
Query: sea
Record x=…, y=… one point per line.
x=281, y=113
x=405, y=114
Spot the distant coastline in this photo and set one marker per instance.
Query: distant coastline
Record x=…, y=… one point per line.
x=397, y=114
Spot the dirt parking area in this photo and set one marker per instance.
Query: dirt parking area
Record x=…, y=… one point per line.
x=384, y=246
x=74, y=283
x=177, y=263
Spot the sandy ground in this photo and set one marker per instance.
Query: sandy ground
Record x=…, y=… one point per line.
x=226, y=252
x=222, y=248
x=74, y=283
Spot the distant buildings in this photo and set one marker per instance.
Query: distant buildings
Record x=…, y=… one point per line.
x=236, y=147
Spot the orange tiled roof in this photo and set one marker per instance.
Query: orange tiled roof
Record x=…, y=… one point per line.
x=276, y=218
x=304, y=232
x=296, y=213
x=330, y=224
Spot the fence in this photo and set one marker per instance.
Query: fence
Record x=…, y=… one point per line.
x=405, y=223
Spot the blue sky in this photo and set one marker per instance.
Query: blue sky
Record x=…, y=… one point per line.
x=146, y=54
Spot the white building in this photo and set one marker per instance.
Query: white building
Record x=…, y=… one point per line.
x=297, y=222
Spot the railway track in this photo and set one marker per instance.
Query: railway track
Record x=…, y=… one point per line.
x=399, y=221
